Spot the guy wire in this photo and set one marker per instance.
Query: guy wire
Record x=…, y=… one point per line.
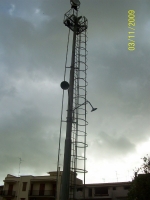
x=62, y=114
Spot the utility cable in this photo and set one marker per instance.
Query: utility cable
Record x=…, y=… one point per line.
x=62, y=113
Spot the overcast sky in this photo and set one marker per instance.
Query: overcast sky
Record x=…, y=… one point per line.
x=33, y=42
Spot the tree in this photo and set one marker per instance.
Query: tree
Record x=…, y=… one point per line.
x=140, y=187
x=146, y=165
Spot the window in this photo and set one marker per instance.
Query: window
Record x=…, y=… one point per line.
x=127, y=187
x=24, y=186
x=31, y=186
x=79, y=189
x=90, y=192
x=101, y=191
x=10, y=189
x=41, y=189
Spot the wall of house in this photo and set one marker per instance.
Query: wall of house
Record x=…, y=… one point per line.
x=120, y=192
x=21, y=193
x=112, y=192
x=48, y=185
x=1, y=189
x=35, y=185
x=11, y=180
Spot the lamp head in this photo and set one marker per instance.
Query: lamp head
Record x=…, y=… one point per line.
x=64, y=85
x=93, y=109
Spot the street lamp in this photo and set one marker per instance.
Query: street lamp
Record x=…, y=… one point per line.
x=93, y=109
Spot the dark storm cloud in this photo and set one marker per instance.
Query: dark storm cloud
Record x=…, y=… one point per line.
x=111, y=145
x=29, y=135
x=32, y=48
x=120, y=80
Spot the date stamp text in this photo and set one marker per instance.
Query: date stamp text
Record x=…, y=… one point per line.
x=131, y=30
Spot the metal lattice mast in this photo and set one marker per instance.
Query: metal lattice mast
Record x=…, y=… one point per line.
x=75, y=142
x=79, y=113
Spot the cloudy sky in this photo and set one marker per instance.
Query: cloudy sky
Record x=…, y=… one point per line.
x=33, y=43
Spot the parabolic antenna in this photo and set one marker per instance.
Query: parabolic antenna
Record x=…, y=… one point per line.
x=75, y=2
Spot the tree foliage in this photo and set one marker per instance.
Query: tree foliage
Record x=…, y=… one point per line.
x=146, y=165
x=140, y=187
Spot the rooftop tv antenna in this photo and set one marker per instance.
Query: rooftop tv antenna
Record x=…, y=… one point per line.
x=76, y=122
x=20, y=160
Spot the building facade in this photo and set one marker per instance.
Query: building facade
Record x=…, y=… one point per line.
x=104, y=191
x=30, y=187
x=1, y=189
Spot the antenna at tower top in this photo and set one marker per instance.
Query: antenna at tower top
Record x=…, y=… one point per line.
x=75, y=2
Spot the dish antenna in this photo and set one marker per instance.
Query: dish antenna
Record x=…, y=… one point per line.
x=75, y=2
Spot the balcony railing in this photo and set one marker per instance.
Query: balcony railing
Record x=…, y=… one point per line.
x=7, y=193
x=102, y=194
x=41, y=193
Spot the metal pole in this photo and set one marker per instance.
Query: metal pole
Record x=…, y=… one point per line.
x=67, y=152
x=76, y=125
